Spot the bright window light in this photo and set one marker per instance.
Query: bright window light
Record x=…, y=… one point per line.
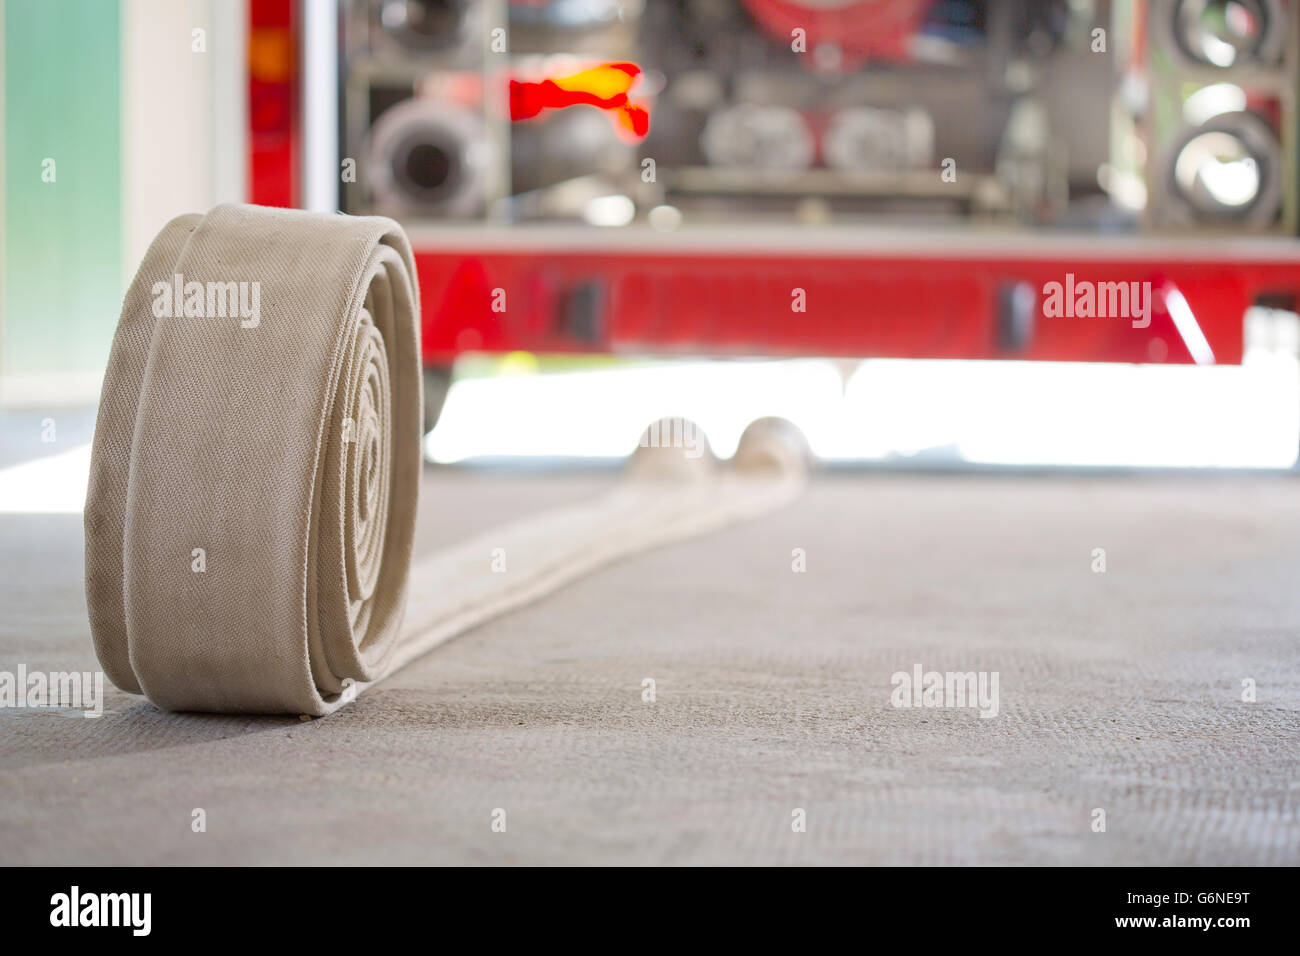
x=50, y=485
x=1012, y=413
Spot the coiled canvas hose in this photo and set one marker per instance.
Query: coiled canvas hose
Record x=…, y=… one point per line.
x=255, y=475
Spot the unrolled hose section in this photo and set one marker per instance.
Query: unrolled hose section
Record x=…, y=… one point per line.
x=256, y=467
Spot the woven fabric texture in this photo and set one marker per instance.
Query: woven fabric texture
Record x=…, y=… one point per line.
x=255, y=473
x=254, y=476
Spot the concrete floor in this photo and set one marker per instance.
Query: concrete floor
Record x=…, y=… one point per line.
x=1118, y=690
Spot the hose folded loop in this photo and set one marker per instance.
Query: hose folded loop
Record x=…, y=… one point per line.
x=255, y=470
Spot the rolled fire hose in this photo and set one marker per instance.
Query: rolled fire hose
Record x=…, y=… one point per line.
x=255, y=473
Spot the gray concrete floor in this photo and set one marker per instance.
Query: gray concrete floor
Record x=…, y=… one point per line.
x=1119, y=691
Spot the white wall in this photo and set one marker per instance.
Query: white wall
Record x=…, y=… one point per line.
x=183, y=113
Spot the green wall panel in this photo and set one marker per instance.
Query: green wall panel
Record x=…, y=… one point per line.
x=63, y=240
